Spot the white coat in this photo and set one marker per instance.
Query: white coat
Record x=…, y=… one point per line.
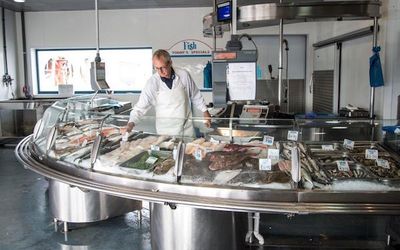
x=173, y=106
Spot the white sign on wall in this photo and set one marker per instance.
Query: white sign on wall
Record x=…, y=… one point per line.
x=191, y=55
x=190, y=47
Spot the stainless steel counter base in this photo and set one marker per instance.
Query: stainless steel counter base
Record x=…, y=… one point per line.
x=77, y=205
x=192, y=228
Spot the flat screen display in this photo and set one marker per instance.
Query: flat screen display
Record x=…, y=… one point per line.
x=224, y=12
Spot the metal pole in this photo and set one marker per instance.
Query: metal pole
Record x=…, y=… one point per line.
x=339, y=47
x=4, y=41
x=98, y=59
x=280, y=67
x=55, y=224
x=26, y=85
x=214, y=30
x=234, y=17
x=97, y=27
x=372, y=90
x=287, y=80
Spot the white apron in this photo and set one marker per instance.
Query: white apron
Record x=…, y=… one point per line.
x=172, y=111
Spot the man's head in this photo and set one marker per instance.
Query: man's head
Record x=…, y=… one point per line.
x=162, y=63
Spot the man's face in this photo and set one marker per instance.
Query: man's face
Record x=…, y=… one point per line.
x=163, y=68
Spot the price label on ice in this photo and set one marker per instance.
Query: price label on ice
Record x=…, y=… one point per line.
x=268, y=140
x=371, y=154
x=154, y=148
x=327, y=147
x=214, y=141
x=151, y=160
x=265, y=164
x=293, y=135
x=349, y=144
x=295, y=170
x=198, y=154
x=273, y=154
x=382, y=163
x=343, y=166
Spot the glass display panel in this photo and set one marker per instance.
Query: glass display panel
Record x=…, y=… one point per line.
x=127, y=69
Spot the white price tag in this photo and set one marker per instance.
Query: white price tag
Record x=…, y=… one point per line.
x=349, y=144
x=293, y=135
x=125, y=136
x=214, y=141
x=151, y=160
x=155, y=148
x=371, y=154
x=265, y=164
x=397, y=131
x=273, y=154
x=295, y=161
x=382, y=163
x=208, y=150
x=327, y=147
x=343, y=166
x=198, y=154
x=84, y=143
x=268, y=140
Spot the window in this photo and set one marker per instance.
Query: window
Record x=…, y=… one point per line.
x=127, y=69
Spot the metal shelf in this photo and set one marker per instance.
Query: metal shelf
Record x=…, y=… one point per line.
x=309, y=11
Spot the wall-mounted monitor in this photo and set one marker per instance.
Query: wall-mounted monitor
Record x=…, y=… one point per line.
x=224, y=12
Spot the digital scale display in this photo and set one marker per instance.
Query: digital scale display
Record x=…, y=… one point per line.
x=225, y=55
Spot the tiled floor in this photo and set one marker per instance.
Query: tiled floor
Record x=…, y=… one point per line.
x=26, y=223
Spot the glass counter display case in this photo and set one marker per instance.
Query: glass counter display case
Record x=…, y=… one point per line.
x=280, y=166
x=232, y=165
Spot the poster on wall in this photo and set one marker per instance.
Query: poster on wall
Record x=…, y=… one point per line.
x=127, y=69
x=191, y=55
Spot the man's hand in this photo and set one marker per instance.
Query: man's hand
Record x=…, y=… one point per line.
x=207, y=119
x=130, y=126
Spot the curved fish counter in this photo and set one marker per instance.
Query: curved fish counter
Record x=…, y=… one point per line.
x=237, y=165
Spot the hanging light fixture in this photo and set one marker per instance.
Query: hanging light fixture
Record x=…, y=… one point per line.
x=98, y=68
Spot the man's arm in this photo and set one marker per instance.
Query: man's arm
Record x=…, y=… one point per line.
x=198, y=101
x=195, y=96
x=207, y=119
x=146, y=100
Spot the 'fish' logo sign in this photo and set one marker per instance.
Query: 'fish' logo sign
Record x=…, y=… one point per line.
x=189, y=45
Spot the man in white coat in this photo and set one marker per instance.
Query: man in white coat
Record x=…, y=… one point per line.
x=172, y=92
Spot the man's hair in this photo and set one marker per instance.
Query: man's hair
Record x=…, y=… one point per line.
x=162, y=54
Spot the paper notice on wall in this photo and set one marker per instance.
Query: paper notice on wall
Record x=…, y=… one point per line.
x=241, y=81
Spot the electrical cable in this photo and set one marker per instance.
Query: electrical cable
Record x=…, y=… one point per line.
x=251, y=40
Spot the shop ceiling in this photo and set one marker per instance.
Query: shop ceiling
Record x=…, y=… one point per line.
x=65, y=5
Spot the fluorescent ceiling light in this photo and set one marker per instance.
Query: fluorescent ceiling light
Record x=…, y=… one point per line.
x=333, y=122
x=19, y=1
x=339, y=127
